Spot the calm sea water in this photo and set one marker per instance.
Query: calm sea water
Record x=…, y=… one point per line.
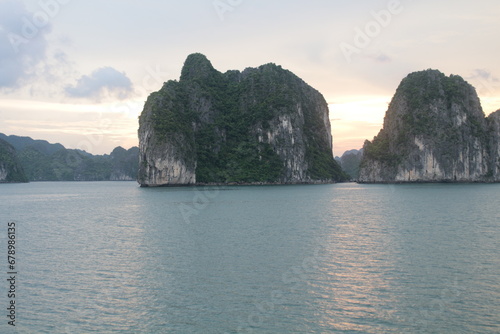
x=111, y=257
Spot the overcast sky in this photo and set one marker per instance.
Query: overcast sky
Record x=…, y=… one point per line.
x=78, y=72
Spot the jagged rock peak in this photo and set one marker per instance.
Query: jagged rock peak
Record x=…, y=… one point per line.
x=197, y=66
x=422, y=87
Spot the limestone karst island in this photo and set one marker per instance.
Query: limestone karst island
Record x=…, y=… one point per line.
x=262, y=125
x=266, y=125
x=434, y=131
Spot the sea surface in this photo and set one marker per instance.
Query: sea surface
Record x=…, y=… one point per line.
x=110, y=257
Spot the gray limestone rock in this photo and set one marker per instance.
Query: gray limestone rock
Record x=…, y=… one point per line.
x=262, y=125
x=434, y=131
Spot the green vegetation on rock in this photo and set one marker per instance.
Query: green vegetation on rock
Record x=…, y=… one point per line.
x=434, y=130
x=42, y=161
x=230, y=127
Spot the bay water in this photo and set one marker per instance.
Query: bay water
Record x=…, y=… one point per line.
x=111, y=257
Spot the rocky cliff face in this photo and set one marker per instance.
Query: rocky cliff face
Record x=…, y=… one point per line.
x=261, y=125
x=10, y=168
x=494, y=123
x=434, y=131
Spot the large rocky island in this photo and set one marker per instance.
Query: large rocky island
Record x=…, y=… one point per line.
x=434, y=131
x=262, y=125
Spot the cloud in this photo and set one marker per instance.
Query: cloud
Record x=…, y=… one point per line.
x=486, y=83
x=23, y=44
x=484, y=74
x=105, y=81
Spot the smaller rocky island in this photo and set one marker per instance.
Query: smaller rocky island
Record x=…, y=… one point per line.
x=350, y=161
x=434, y=130
x=39, y=160
x=264, y=125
